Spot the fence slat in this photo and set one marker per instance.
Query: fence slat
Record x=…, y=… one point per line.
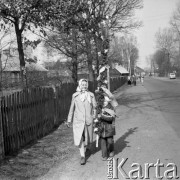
x=14, y=104
x=19, y=120
x=1, y=132
x=4, y=125
x=9, y=123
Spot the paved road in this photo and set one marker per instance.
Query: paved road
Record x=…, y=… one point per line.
x=166, y=94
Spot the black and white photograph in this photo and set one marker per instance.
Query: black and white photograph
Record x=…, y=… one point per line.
x=89, y=89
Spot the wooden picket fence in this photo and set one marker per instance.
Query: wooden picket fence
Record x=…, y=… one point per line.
x=32, y=113
x=26, y=116
x=115, y=83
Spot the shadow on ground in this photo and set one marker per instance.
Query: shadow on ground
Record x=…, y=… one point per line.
x=93, y=150
x=132, y=100
x=121, y=143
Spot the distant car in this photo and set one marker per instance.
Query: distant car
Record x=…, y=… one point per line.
x=172, y=76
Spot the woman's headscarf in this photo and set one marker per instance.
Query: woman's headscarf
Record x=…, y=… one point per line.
x=79, y=88
x=84, y=95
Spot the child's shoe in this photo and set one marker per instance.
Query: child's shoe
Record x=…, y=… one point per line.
x=83, y=161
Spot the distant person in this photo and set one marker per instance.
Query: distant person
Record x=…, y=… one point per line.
x=82, y=112
x=129, y=80
x=134, y=79
x=142, y=80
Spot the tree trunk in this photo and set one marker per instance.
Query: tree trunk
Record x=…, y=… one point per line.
x=97, y=56
x=89, y=57
x=20, y=49
x=74, y=58
x=74, y=70
x=0, y=73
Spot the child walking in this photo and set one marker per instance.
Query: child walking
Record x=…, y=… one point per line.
x=107, y=119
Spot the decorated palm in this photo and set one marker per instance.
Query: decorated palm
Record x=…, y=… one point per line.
x=99, y=93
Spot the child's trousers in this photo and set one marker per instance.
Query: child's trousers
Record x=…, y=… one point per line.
x=107, y=146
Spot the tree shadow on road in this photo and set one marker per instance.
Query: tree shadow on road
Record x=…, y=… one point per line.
x=129, y=99
x=121, y=143
x=138, y=100
x=93, y=149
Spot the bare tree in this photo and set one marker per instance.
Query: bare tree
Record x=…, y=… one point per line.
x=175, y=24
x=99, y=19
x=95, y=21
x=165, y=41
x=130, y=51
x=115, y=16
x=150, y=62
x=133, y=59
x=175, y=20
x=71, y=44
x=161, y=60
x=116, y=50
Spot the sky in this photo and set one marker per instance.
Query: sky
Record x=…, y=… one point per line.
x=154, y=15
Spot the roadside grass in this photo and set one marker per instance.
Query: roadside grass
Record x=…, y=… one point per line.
x=37, y=159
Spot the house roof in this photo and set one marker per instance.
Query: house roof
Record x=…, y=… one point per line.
x=138, y=69
x=121, y=69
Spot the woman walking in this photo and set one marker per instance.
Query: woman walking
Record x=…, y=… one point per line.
x=134, y=79
x=82, y=112
x=142, y=80
x=129, y=80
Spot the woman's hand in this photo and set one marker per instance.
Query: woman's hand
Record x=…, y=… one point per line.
x=68, y=124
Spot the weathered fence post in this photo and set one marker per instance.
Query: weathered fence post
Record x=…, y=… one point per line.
x=1, y=136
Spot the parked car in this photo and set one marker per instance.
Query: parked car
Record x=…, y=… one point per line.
x=172, y=76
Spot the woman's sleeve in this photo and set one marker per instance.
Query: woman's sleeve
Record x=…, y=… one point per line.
x=71, y=110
